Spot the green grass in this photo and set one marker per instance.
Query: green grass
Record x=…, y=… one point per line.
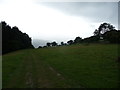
x=75, y=66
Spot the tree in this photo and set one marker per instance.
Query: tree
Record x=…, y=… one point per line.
x=70, y=42
x=62, y=43
x=40, y=47
x=77, y=40
x=96, y=32
x=44, y=46
x=112, y=36
x=48, y=44
x=103, y=28
x=91, y=39
x=107, y=32
x=54, y=43
x=13, y=39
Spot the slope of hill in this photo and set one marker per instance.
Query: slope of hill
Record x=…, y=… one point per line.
x=76, y=66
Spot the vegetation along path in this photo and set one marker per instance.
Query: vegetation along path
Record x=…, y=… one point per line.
x=76, y=66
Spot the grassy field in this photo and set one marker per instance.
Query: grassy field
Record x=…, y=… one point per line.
x=75, y=66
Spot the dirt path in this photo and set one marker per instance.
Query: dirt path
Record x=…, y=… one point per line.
x=33, y=72
x=45, y=75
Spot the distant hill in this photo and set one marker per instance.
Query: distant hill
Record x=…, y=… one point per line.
x=38, y=42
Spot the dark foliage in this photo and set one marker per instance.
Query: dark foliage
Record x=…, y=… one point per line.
x=105, y=27
x=92, y=39
x=62, y=43
x=112, y=36
x=78, y=40
x=70, y=42
x=106, y=32
x=48, y=44
x=13, y=39
x=54, y=43
x=118, y=60
x=44, y=46
x=40, y=47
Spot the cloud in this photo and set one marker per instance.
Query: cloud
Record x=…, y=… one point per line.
x=43, y=22
x=94, y=11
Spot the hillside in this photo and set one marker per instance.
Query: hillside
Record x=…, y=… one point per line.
x=75, y=66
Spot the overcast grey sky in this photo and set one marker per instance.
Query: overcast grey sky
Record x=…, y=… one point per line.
x=95, y=11
x=57, y=21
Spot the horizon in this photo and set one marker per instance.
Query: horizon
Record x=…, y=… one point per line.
x=58, y=21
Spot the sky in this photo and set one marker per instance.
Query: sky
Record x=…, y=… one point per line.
x=57, y=21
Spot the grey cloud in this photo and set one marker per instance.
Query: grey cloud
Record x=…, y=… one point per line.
x=95, y=11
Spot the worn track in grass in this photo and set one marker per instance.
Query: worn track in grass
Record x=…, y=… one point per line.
x=76, y=66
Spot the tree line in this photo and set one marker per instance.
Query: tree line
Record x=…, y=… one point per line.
x=106, y=33
x=13, y=39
